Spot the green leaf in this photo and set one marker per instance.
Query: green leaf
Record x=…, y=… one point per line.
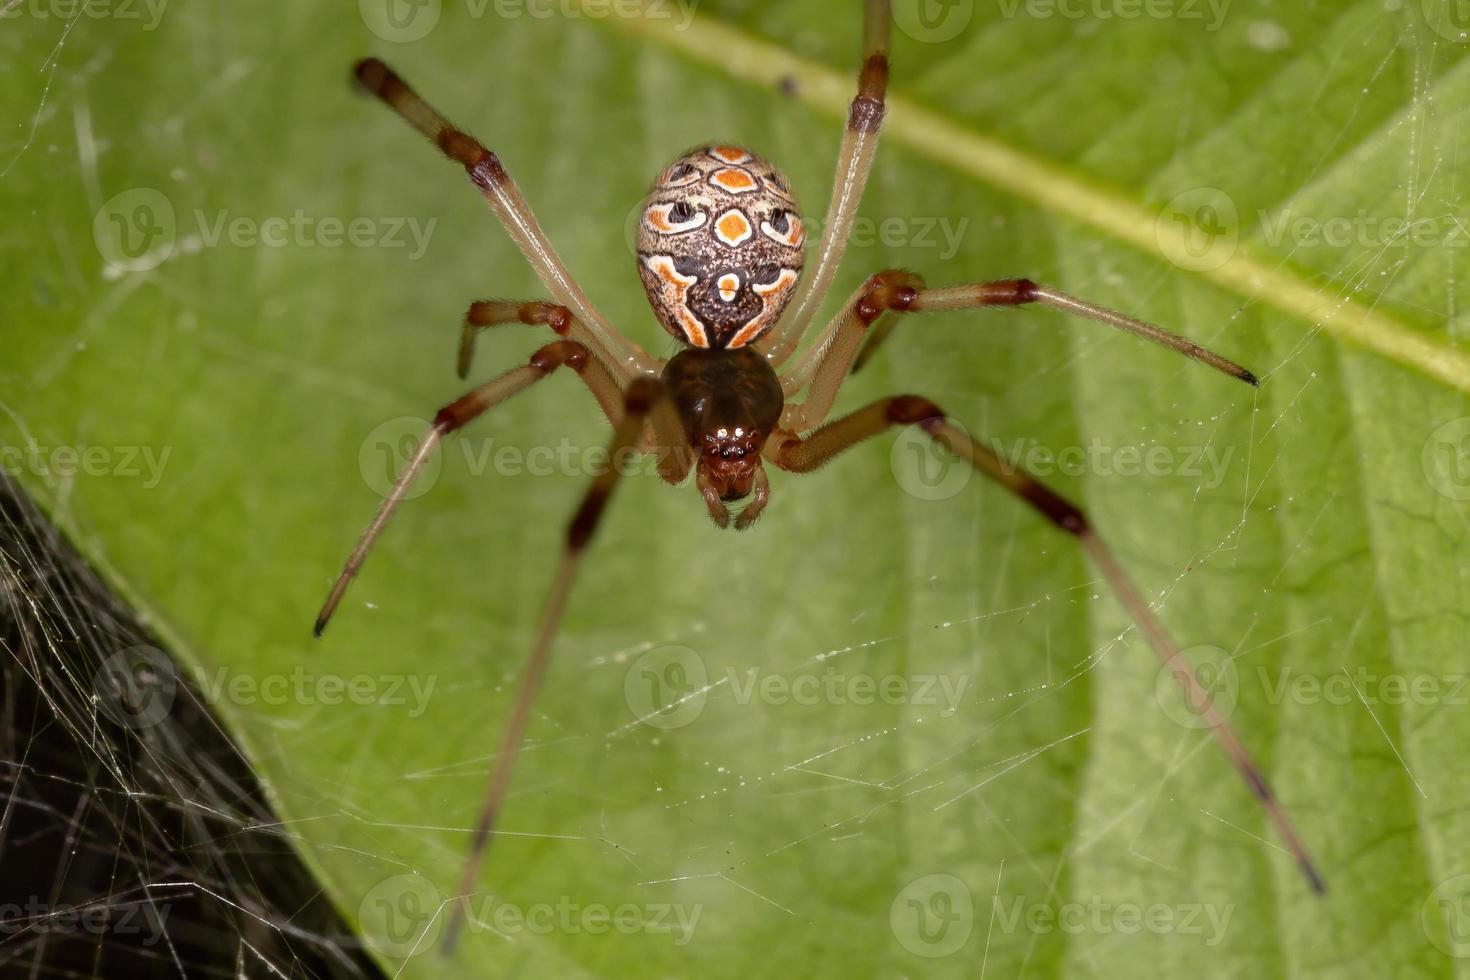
x=212, y=421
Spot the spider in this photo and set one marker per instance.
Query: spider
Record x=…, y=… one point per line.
x=720, y=251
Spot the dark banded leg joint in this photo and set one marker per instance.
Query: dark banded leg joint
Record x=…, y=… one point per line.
x=485, y=170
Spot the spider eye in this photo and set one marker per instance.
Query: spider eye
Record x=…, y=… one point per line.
x=780, y=220
x=765, y=275
x=681, y=212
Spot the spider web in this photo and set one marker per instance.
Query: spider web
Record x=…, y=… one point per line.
x=134, y=839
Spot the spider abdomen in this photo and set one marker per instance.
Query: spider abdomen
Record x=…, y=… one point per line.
x=720, y=247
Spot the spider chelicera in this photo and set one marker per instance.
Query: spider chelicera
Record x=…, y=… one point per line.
x=720, y=252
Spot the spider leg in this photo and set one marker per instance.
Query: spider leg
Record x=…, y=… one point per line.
x=854, y=162
x=836, y=353
x=1019, y=292
x=494, y=312
x=509, y=205
x=664, y=436
x=487, y=313
x=642, y=398
x=456, y=415
x=802, y=455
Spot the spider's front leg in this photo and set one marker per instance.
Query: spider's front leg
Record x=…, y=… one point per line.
x=461, y=412
x=495, y=312
x=854, y=163
x=643, y=399
x=895, y=292
x=802, y=455
x=509, y=205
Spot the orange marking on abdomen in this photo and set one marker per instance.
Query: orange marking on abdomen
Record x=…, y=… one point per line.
x=729, y=154
x=734, y=181
x=733, y=228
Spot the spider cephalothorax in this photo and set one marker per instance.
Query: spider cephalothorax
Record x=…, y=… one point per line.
x=729, y=401
x=720, y=246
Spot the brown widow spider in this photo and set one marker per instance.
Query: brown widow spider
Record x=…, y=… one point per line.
x=720, y=251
